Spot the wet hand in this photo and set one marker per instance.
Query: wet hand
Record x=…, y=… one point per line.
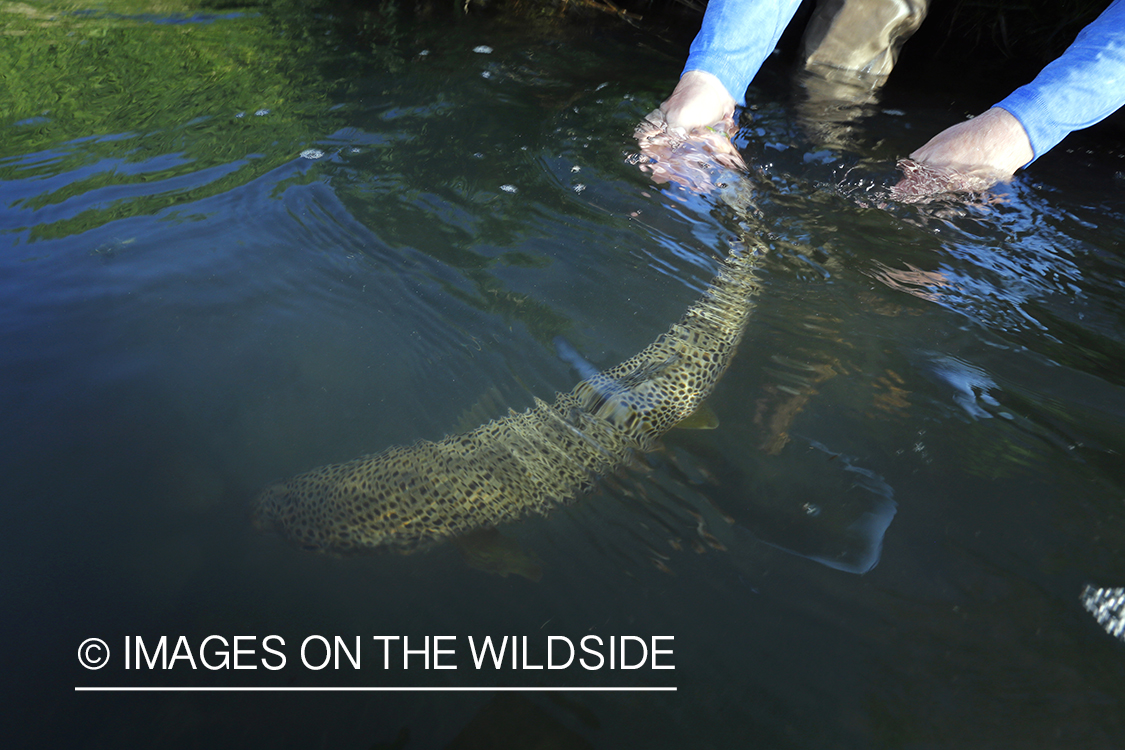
x=698, y=100
x=687, y=140
x=969, y=156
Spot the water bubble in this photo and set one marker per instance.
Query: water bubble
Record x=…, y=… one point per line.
x=509, y=188
x=312, y=153
x=423, y=53
x=485, y=74
x=483, y=49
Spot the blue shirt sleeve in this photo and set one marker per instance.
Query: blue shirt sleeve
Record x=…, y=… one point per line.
x=736, y=38
x=1083, y=86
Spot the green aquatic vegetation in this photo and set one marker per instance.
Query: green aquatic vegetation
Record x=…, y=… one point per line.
x=181, y=110
x=79, y=74
x=143, y=116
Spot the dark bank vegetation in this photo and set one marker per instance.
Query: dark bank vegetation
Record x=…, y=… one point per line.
x=1037, y=30
x=67, y=63
x=1011, y=40
x=993, y=32
x=998, y=37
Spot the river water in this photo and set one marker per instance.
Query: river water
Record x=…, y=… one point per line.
x=237, y=247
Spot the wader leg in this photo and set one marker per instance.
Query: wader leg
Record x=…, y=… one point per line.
x=861, y=36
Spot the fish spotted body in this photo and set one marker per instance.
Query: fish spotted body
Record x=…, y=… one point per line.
x=409, y=497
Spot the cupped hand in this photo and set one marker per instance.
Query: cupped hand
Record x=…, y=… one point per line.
x=687, y=139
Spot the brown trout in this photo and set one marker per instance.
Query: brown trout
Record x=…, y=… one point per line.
x=409, y=497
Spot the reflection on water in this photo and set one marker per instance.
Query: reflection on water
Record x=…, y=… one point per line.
x=833, y=104
x=1108, y=608
x=191, y=306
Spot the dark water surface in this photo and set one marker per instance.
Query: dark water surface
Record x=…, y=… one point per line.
x=285, y=253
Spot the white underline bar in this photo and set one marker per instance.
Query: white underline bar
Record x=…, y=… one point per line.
x=370, y=689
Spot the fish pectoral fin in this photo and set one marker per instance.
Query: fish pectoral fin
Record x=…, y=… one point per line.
x=703, y=418
x=490, y=551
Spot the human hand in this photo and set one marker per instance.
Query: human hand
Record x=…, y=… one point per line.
x=969, y=156
x=698, y=100
x=687, y=138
